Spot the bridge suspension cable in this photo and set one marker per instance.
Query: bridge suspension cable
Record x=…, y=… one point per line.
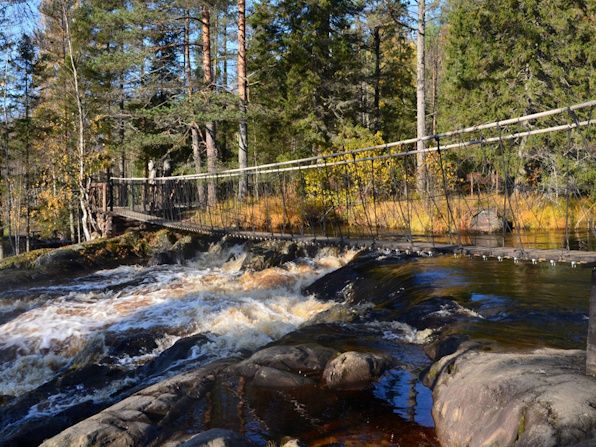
x=458, y=132
x=373, y=192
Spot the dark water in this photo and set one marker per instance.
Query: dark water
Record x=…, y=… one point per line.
x=109, y=326
x=523, y=304
x=583, y=239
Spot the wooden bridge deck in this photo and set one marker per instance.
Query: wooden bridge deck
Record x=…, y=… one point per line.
x=573, y=257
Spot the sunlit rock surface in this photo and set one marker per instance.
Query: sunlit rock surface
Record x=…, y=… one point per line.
x=541, y=398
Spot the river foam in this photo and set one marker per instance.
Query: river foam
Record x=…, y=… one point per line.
x=234, y=309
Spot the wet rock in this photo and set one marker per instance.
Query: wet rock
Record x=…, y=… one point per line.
x=76, y=379
x=445, y=346
x=291, y=442
x=177, y=249
x=180, y=350
x=267, y=377
x=216, y=437
x=131, y=343
x=62, y=260
x=540, y=398
x=354, y=370
x=186, y=247
x=307, y=359
x=270, y=254
x=48, y=265
x=145, y=417
x=487, y=221
x=435, y=313
x=34, y=431
x=359, y=280
x=161, y=249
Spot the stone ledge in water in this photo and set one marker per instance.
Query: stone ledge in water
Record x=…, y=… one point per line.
x=268, y=254
x=44, y=264
x=143, y=417
x=216, y=437
x=541, y=398
x=355, y=282
x=354, y=370
x=282, y=366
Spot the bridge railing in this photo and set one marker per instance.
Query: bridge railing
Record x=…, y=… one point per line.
x=378, y=191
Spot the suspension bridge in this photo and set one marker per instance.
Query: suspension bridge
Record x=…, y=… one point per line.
x=379, y=196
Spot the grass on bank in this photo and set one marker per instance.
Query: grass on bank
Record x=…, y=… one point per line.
x=526, y=212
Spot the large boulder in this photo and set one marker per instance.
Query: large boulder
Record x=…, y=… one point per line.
x=62, y=260
x=540, y=398
x=487, y=221
x=306, y=358
x=354, y=370
x=285, y=366
x=268, y=254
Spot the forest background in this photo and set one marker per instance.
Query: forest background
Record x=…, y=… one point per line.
x=91, y=86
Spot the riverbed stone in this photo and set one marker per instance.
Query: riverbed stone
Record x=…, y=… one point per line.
x=354, y=370
x=435, y=313
x=268, y=254
x=309, y=359
x=446, y=345
x=539, y=398
x=365, y=280
x=179, y=351
x=487, y=221
x=216, y=437
x=143, y=417
x=66, y=259
x=267, y=377
x=291, y=442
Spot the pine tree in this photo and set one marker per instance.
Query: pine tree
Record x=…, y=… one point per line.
x=514, y=57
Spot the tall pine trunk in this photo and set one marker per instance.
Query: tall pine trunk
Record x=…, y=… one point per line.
x=377, y=78
x=421, y=172
x=7, y=204
x=210, y=126
x=194, y=129
x=243, y=93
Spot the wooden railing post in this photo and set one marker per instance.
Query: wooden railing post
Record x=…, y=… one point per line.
x=591, y=348
x=110, y=183
x=104, y=197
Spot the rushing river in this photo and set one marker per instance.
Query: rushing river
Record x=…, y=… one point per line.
x=84, y=343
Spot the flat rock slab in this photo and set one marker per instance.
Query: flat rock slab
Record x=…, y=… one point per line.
x=541, y=398
x=143, y=417
x=216, y=437
x=304, y=359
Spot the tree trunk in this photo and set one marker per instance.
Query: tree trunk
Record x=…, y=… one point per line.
x=7, y=204
x=243, y=93
x=121, y=130
x=27, y=169
x=210, y=126
x=194, y=130
x=421, y=172
x=377, y=78
x=87, y=223
x=224, y=77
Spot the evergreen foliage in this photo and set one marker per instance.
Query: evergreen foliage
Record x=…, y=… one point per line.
x=322, y=76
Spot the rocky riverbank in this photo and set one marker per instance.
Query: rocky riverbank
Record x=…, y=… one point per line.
x=538, y=398
x=382, y=359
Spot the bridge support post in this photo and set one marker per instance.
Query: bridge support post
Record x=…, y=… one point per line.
x=591, y=348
